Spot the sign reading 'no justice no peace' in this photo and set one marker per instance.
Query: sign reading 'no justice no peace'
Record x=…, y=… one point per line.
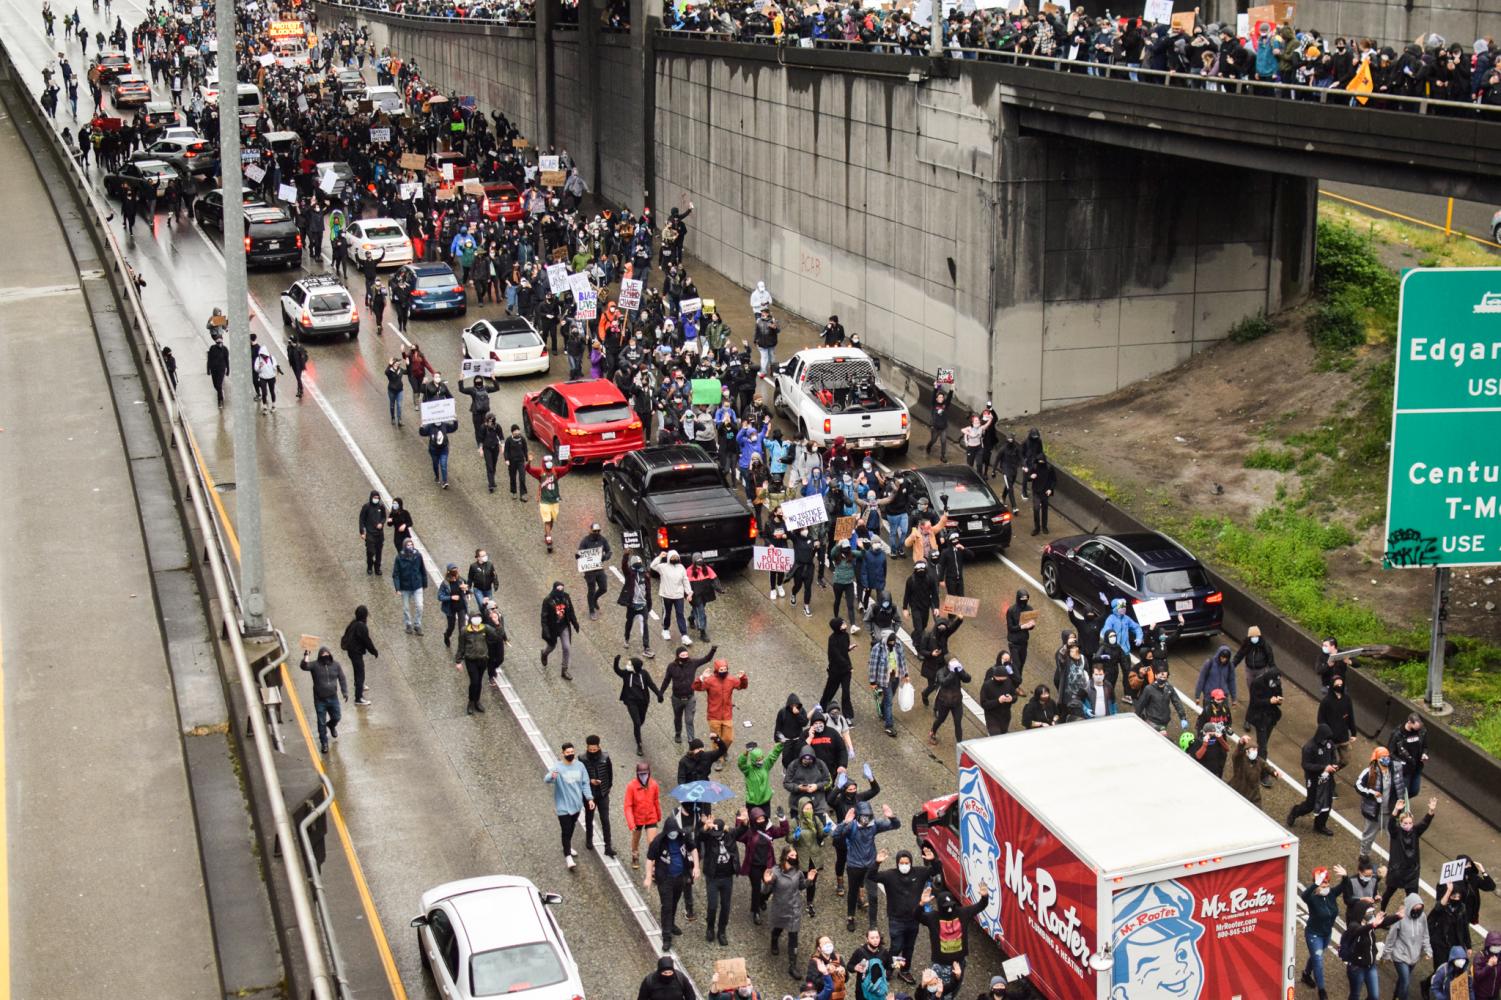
x=1444, y=486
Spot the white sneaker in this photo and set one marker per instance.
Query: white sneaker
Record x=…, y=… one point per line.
x=666, y=635
x=771, y=594
x=573, y=852
x=781, y=591
x=687, y=640
x=572, y=864
x=854, y=629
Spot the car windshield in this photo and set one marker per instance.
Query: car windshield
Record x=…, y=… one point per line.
x=603, y=413
x=1175, y=581
x=329, y=302
x=515, y=341
x=684, y=479
x=436, y=281
x=963, y=494
x=514, y=969
x=386, y=232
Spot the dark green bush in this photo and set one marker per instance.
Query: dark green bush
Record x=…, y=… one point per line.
x=1253, y=327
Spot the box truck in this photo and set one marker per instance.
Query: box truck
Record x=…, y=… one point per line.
x=1118, y=866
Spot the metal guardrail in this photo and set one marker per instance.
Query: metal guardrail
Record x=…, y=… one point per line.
x=1329, y=96
x=435, y=18
x=216, y=559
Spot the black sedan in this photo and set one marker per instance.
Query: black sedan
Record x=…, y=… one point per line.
x=983, y=522
x=1095, y=570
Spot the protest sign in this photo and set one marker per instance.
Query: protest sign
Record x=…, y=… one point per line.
x=286, y=192
x=1027, y=618
x=1452, y=871
x=411, y=190
x=447, y=171
x=945, y=376
x=590, y=560
x=266, y=59
x=630, y=294
x=802, y=512
x=380, y=135
x=770, y=560
x=630, y=539
x=547, y=163
x=552, y=178
x=1152, y=612
x=557, y=278
x=412, y=161
x=730, y=974
x=519, y=144
x=588, y=304
x=310, y=643
x=964, y=607
x=565, y=452
x=1243, y=25
x=255, y=173
x=1184, y=22
x=579, y=285
x=444, y=194
x=705, y=391
x=476, y=368
x=1158, y=11
x=439, y=411
x=328, y=182
x=687, y=307
x=844, y=527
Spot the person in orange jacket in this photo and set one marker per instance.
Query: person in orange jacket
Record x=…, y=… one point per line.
x=643, y=809
x=720, y=688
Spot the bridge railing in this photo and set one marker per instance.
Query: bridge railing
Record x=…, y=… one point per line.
x=1331, y=96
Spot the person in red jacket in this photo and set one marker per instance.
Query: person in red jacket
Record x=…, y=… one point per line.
x=643, y=809
x=720, y=688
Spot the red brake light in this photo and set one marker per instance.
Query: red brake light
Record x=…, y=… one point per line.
x=1215, y=598
x=828, y=426
x=755, y=531
x=662, y=538
x=299, y=241
x=904, y=421
x=494, y=356
x=458, y=289
x=247, y=244
x=544, y=352
x=417, y=293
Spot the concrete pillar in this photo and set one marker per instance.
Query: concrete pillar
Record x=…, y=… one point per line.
x=644, y=23
x=587, y=155
x=1294, y=227
x=542, y=49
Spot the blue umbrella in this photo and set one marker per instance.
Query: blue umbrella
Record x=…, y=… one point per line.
x=701, y=791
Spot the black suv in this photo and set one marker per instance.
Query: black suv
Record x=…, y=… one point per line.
x=271, y=237
x=1096, y=569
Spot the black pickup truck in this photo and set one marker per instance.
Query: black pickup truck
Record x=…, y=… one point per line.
x=676, y=498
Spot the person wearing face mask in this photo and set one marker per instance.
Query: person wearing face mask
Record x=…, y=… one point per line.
x=1488, y=968
x=826, y=744
x=636, y=689
x=1158, y=700
x=679, y=681
x=1406, y=849
x=571, y=795
x=1098, y=699
x=514, y=452
x=784, y=886
x=453, y=598
x=826, y=964
x=409, y=576
x=328, y=684
x=673, y=588
x=948, y=924
x=1319, y=765
x=1040, y=710
x=1265, y=710
x=1245, y=766
x=758, y=836
x=643, y=809
x=1338, y=713
x=400, y=523
x=373, y=516
x=558, y=625
x=1328, y=665
x=635, y=598
x=601, y=771
x=887, y=671
x=756, y=764
x=356, y=644
x=840, y=670
x=1323, y=908
x=672, y=865
x=998, y=695
x=1019, y=632
x=1454, y=980
x=482, y=579
x=719, y=689
x=1409, y=746
x=1218, y=672
x=665, y=983
x=549, y=492
x=595, y=578
x=1447, y=926
x=1357, y=948
x=1407, y=943
x=719, y=857
x=473, y=655
x=858, y=833
x=949, y=702
x=1375, y=786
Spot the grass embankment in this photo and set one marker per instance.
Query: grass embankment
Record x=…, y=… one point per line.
x=1335, y=473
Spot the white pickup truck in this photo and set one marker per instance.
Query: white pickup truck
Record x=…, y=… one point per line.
x=832, y=392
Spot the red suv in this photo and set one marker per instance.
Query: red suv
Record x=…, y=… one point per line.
x=502, y=202
x=590, y=416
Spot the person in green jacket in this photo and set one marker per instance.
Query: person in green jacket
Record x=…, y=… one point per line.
x=806, y=833
x=755, y=764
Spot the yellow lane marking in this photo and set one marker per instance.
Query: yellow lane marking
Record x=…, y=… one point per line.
x=1405, y=218
x=377, y=929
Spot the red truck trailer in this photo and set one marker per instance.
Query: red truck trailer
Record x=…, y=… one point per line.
x=1118, y=866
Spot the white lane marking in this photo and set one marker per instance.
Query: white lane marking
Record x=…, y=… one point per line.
x=618, y=575
x=618, y=873
x=404, y=340
x=19, y=294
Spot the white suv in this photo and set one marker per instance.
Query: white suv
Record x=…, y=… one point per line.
x=319, y=305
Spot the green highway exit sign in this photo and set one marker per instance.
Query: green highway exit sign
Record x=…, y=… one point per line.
x=1443, y=502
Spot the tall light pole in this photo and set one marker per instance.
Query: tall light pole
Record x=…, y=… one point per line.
x=242, y=378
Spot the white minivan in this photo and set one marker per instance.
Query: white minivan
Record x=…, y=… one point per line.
x=387, y=99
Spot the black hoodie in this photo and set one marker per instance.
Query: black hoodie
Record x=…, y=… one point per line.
x=791, y=727
x=1015, y=634
x=1318, y=753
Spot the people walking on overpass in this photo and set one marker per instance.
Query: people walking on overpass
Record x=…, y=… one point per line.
x=409, y=576
x=635, y=598
x=218, y=360
x=438, y=446
x=328, y=684
x=1402, y=871
x=571, y=795
x=674, y=590
x=549, y=492
x=1217, y=673
x=1338, y=713
x=357, y=644
x=857, y=834
x=559, y=623
x=492, y=442
x=1376, y=786
x=1019, y=629
x=513, y=450
x=482, y=578
x=938, y=425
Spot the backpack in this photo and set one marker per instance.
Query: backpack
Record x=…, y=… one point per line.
x=1347, y=947
x=873, y=985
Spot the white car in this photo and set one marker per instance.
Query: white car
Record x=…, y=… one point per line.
x=319, y=304
x=495, y=936
x=514, y=345
x=831, y=392
x=386, y=235
x=181, y=133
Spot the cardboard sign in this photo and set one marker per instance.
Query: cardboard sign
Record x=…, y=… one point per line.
x=588, y=304
x=549, y=163
x=964, y=607
x=439, y=411
x=476, y=368
x=1184, y=22
x=411, y=190
x=630, y=539
x=519, y=144
x=579, y=285
x=590, y=560
x=1158, y=11
x=630, y=294
x=412, y=161
x=844, y=527
x=255, y=173
x=557, y=278
x=1016, y=968
x=730, y=974
x=803, y=512
x=444, y=194
x=310, y=643
x=705, y=391
x=266, y=59
x=328, y=182
x=1027, y=618
x=770, y=560
x=687, y=307
x=1152, y=612
x=286, y=192
x=380, y=135
x=552, y=178
x=1452, y=871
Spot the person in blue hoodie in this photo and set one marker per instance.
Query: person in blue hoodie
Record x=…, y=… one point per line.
x=1217, y=673
x=1453, y=980
x=1127, y=631
x=858, y=834
x=570, y=797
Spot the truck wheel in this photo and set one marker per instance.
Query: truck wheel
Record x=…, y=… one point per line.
x=1050, y=579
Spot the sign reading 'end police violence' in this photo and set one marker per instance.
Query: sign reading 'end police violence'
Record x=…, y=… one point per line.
x=1444, y=486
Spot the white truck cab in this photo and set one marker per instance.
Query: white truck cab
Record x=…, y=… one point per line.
x=832, y=392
